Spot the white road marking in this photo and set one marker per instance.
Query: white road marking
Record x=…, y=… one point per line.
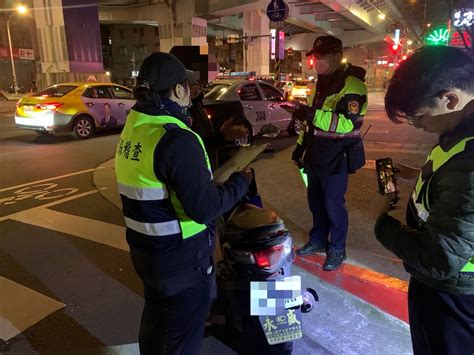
x=22, y=307
x=49, y=179
x=86, y=228
x=58, y=202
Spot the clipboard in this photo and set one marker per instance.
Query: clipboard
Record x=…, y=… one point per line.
x=239, y=161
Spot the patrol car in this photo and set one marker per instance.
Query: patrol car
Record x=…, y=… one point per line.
x=259, y=102
x=80, y=108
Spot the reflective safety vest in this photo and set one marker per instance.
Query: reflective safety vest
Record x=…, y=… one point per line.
x=330, y=124
x=420, y=197
x=150, y=207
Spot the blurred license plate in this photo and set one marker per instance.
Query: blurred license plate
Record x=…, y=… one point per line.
x=28, y=108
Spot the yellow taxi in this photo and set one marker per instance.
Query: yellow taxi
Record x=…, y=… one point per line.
x=80, y=108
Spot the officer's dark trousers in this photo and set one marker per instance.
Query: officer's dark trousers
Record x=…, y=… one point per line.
x=440, y=323
x=327, y=204
x=175, y=309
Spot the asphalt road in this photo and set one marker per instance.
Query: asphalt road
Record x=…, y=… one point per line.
x=58, y=237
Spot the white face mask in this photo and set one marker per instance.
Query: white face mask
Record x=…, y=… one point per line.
x=322, y=66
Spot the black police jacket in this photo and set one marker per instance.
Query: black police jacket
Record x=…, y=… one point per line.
x=435, y=253
x=323, y=156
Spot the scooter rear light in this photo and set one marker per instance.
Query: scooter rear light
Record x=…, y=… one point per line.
x=269, y=258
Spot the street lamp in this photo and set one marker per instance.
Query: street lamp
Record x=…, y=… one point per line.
x=20, y=9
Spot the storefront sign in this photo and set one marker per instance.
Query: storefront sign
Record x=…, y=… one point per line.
x=18, y=53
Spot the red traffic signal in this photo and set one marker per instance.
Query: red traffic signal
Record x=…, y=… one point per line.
x=311, y=63
x=395, y=48
x=404, y=57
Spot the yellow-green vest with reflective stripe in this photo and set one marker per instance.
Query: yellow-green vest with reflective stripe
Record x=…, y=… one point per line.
x=331, y=124
x=420, y=197
x=136, y=179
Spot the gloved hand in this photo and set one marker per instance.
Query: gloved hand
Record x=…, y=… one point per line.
x=301, y=113
x=297, y=155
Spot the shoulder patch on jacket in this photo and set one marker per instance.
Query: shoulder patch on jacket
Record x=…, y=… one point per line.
x=353, y=107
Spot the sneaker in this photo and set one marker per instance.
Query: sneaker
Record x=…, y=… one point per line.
x=310, y=248
x=334, y=261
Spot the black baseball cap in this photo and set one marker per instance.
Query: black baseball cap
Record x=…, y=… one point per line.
x=162, y=71
x=325, y=45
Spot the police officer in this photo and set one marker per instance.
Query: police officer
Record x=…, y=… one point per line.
x=170, y=203
x=214, y=140
x=433, y=90
x=331, y=147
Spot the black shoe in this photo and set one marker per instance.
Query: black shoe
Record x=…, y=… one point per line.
x=334, y=261
x=310, y=248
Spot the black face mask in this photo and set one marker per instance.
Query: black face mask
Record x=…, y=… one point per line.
x=198, y=98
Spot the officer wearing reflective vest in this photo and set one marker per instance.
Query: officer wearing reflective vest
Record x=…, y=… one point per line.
x=330, y=148
x=170, y=203
x=434, y=90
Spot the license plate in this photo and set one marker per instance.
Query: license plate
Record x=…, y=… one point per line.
x=28, y=108
x=282, y=328
x=271, y=297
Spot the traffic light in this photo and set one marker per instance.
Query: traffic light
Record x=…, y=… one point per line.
x=311, y=63
x=404, y=57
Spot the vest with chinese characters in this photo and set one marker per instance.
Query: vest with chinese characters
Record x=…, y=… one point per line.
x=150, y=207
x=419, y=200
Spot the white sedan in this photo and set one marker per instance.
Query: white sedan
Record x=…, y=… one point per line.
x=261, y=102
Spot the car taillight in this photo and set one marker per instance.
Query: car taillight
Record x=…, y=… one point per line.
x=49, y=106
x=268, y=258
x=209, y=113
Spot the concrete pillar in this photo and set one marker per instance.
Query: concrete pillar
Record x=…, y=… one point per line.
x=69, y=40
x=187, y=30
x=51, y=36
x=257, y=56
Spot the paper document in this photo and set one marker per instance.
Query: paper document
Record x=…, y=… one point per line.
x=240, y=160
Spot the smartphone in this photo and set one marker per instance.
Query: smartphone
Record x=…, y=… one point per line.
x=386, y=179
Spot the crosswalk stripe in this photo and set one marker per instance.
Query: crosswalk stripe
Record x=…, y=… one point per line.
x=86, y=228
x=22, y=307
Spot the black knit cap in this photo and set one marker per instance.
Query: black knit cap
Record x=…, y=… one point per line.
x=325, y=45
x=162, y=71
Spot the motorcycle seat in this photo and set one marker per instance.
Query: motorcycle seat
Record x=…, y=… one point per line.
x=251, y=222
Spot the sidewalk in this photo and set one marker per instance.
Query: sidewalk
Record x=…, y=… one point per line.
x=341, y=322
x=7, y=106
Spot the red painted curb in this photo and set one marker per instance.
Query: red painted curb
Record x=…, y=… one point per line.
x=385, y=292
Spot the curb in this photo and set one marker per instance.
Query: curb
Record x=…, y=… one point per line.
x=382, y=291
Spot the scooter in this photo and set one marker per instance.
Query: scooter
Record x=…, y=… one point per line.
x=20, y=90
x=257, y=254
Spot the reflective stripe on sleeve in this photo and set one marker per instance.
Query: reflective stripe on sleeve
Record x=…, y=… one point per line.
x=142, y=193
x=154, y=229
